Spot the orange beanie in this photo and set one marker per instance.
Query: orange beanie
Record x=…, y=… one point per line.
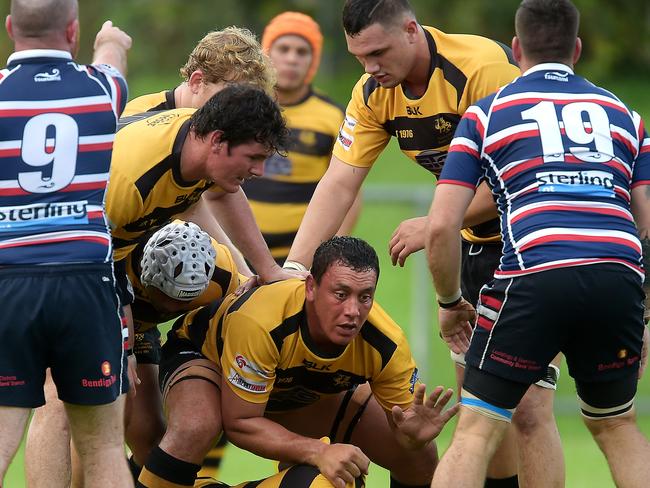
x=295, y=23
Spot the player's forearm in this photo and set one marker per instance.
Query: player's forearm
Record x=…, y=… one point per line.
x=201, y=215
x=482, y=209
x=235, y=216
x=327, y=209
x=352, y=216
x=111, y=46
x=443, y=248
x=270, y=440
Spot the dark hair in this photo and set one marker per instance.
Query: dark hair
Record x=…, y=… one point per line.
x=348, y=251
x=359, y=14
x=244, y=113
x=547, y=29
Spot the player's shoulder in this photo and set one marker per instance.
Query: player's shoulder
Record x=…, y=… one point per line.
x=471, y=53
x=145, y=103
x=382, y=333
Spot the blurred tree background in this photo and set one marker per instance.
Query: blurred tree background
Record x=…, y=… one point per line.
x=615, y=33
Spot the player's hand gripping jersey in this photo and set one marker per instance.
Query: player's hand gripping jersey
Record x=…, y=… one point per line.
x=57, y=125
x=262, y=343
x=146, y=188
x=561, y=156
x=463, y=70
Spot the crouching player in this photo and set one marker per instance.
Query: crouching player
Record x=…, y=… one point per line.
x=287, y=363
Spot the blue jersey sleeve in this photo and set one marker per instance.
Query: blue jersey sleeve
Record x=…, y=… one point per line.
x=641, y=173
x=463, y=164
x=116, y=85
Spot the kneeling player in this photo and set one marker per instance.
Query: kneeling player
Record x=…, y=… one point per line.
x=287, y=363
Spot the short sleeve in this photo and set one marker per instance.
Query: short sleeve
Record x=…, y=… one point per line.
x=249, y=358
x=361, y=138
x=116, y=85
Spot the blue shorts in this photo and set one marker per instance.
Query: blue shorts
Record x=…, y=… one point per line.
x=67, y=318
x=593, y=314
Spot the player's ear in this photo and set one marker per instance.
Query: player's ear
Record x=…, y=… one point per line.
x=9, y=27
x=216, y=140
x=310, y=288
x=195, y=80
x=411, y=28
x=577, y=50
x=516, y=49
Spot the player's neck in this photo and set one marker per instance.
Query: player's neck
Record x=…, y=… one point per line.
x=417, y=80
x=291, y=97
x=192, y=153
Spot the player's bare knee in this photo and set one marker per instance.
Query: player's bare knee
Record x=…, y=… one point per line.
x=603, y=426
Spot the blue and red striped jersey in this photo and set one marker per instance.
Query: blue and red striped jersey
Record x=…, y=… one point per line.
x=57, y=124
x=561, y=156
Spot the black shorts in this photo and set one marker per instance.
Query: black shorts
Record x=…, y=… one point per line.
x=65, y=317
x=174, y=353
x=147, y=346
x=479, y=261
x=593, y=314
x=123, y=285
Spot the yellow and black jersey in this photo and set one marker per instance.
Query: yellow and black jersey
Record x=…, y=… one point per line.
x=152, y=102
x=299, y=476
x=279, y=200
x=464, y=69
x=146, y=188
x=225, y=280
x=261, y=341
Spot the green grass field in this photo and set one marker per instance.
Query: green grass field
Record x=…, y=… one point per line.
x=586, y=466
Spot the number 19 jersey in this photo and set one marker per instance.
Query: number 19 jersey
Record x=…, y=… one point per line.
x=57, y=124
x=561, y=156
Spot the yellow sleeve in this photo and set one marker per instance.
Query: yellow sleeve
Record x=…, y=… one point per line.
x=487, y=80
x=395, y=384
x=249, y=358
x=361, y=137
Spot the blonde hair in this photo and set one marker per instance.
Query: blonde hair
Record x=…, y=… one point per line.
x=231, y=55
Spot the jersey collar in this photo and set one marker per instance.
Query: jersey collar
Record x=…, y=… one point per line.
x=32, y=54
x=549, y=67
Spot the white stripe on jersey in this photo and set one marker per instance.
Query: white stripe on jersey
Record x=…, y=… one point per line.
x=563, y=263
x=559, y=96
x=577, y=233
x=570, y=206
x=51, y=236
x=52, y=104
x=112, y=95
x=633, y=140
x=83, y=140
x=91, y=178
x=510, y=131
x=464, y=141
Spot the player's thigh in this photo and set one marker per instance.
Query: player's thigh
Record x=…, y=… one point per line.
x=191, y=392
x=145, y=424
x=96, y=427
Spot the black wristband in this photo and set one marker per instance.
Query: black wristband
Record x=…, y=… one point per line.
x=450, y=304
x=129, y=352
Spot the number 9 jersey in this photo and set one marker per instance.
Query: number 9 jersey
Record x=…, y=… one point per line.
x=57, y=124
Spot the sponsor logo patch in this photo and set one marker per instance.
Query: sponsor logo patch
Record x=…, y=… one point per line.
x=245, y=384
x=44, y=214
x=557, y=76
x=106, y=368
x=55, y=75
x=414, y=379
x=593, y=183
x=248, y=366
x=345, y=139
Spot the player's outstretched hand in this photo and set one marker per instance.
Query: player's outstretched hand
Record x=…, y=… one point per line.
x=110, y=34
x=407, y=239
x=456, y=325
x=424, y=419
x=342, y=464
x=111, y=45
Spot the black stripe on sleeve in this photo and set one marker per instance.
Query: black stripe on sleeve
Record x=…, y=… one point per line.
x=368, y=87
x=379, y=341
x=289, y=326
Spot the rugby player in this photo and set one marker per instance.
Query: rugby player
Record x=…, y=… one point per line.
x=418, y=83
x=279, y=199
x=569, y=166
x=290, y=362
x=57, y=125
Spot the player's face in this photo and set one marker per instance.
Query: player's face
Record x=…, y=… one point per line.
x=229, y=166
x=341, y=303
x=292, y=57
x=385, y=53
